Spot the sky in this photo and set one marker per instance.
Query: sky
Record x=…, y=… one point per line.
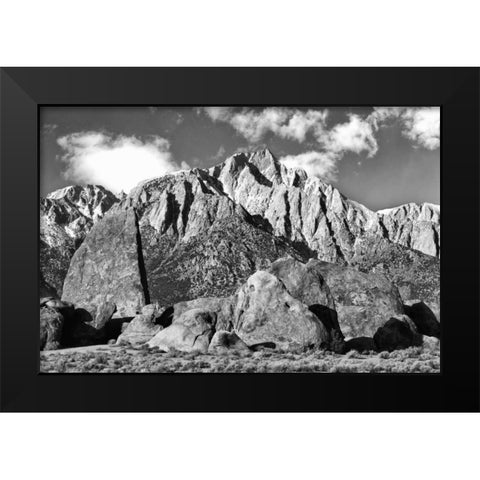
x=381, y=156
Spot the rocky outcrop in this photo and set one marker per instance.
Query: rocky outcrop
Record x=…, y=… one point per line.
x=222, y=307
x=108, y=267
x=66, y=216
x=424, y=319
x=306, y=283
x=265, y=311
x=191, y=332
x=363, y=301
x=139, y=330
x=51, y=328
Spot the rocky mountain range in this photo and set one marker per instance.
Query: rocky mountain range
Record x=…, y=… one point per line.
x=203, y=237
x=203, y=232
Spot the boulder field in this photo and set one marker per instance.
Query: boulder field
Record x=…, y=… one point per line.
x=290, y=305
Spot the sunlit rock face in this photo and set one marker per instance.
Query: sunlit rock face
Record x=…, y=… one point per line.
x=414, y=226
x=307, y=211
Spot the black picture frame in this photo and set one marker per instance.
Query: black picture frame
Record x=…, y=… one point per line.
x=24, y=90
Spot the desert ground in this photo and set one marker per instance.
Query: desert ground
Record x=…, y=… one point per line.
x=121, y=359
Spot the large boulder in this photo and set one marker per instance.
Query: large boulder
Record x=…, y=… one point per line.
x=108, y=266
x=140, y=330
x=266, y=312
x=424, y=319
x=51, y=327
x=306, y=283
x=362, y=300
x=224, y=341
x=222, y=307
x=395, y=334
x=191, y=332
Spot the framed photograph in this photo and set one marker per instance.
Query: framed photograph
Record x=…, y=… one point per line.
x=239, y=239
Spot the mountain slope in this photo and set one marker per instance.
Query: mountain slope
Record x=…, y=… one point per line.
x=203, y=232
x=66, y=216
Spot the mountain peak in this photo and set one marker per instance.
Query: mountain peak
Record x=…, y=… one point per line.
x=75, y=191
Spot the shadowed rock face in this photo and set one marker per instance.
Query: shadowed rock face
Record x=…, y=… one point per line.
x=66, y=216
x=395, y=334
x=424, y=319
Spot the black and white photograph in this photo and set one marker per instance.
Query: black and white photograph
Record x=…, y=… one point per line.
x=240, y=239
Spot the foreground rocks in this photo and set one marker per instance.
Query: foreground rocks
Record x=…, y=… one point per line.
x=140, y=330
x=394, y=335
x=51, y=328
x=190, y=332
x=424, y=319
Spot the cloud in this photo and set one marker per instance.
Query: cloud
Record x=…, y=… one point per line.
x=329, y=145
x=356, y=135
x=288, y=123
x=319, y=164
x=116, y=162
x=420, y=125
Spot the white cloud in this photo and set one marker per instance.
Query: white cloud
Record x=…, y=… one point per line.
x=319, y=164
x=288, y=123
x=421, y=125
x=116, y=162
x=356, y=135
